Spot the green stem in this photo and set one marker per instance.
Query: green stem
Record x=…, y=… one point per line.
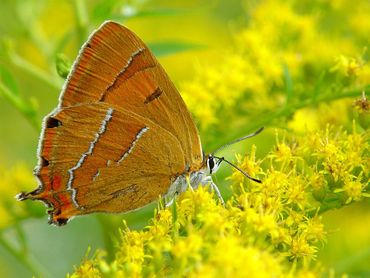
x=107, y=229
x=24, y=259
x=21, y=236
x=50, y=80
x=325, y=206
x=266, y=119
x=21, y=105
x=82, y=20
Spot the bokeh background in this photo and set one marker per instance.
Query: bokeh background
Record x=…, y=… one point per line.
x=292, y=66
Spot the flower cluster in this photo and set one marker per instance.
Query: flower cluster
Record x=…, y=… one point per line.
x=283, y=41
x=273, y=227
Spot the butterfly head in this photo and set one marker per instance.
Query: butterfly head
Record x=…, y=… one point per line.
x=213, y=163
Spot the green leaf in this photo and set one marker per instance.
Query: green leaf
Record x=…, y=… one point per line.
x=27, y=108
x=134, y=12
x=171, y=47
x=8, y=80
x=160, y=12
x=318, y=86
x=104, y=10
x=63, y=42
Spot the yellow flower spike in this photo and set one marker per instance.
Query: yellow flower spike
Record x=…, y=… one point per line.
x=281, y=215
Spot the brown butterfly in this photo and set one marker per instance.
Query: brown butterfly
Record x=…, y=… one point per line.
x=121, y=135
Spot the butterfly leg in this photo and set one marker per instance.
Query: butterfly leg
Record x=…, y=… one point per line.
x=178, y=186
x=188, y=182
x=215, y=189
x=207, y=180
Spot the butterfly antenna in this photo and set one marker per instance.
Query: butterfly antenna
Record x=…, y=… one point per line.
x=237, y=168
x=238, y=140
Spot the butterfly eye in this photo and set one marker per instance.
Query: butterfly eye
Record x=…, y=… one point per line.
x=210, y=164
x=213, y=164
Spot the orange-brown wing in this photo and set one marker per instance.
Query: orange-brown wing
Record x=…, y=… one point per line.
x=116, y=67
x=98, y=157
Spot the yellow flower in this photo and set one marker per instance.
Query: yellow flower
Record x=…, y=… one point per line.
x=354, y=189
x=89, y=268
x=273, y=227
x=300, y=248
x=347, y=65
x=12, y=181
x=247, y=164
x=230, y=258
x=314, y=229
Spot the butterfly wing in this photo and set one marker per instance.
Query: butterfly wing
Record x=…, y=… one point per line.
x=98, y=157
x=116, y=67
x=120, y=135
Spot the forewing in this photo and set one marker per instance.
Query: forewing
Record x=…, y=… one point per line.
x=116, y=67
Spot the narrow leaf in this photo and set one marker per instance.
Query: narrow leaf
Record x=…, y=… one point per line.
x=133, y=12
x=171, y=47
x=8, y=80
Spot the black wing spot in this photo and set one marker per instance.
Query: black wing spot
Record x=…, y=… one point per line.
x=53, y=122
x=156, y=94
x=59, y=221
x=44, y=162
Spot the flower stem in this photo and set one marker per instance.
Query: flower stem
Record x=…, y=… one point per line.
x=107, y=229
x=21, y=105
x=82, y=20
x=25, y=259
x=266, y=118
x=49, y=79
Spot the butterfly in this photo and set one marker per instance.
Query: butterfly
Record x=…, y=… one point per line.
x=120, y=136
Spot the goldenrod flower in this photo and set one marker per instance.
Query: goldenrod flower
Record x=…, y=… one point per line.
x=269, y=229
